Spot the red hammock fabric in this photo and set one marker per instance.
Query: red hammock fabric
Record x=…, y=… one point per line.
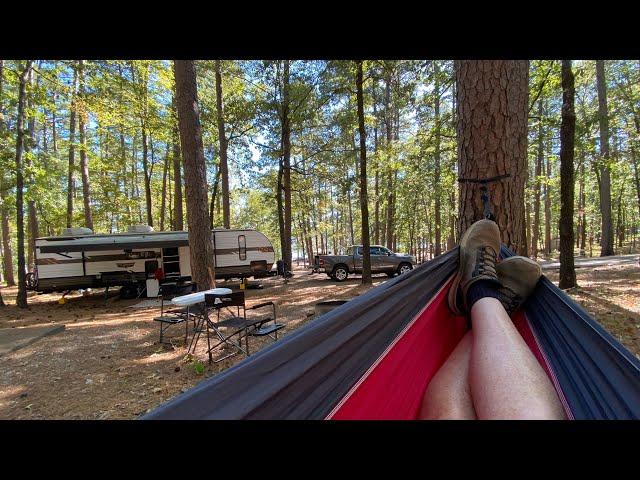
x=411, y=361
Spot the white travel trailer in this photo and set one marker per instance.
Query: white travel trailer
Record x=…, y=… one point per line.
x=79, y=259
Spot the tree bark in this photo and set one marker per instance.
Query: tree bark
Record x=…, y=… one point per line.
x=286, y=158
x=84, y=164
x=436, y=159
x=376, y=230
x=7, y=257
x=389, y=139
x=163, y=200
x=619, y=218
x=606, y=237
x=582, y=233
x=636, y=174
x=547, y=207
x=214, y=199
x=142, y=87
x=280, y=206
x=71, y=182
x=21, y=299
x=29, y=144
x=54, y=121
x=224, y=143
x=147, y=175
x=535, y=234
x=492, y=99
x=567, y=142
x=364, y=205
x=200, y=238
x=178, y=214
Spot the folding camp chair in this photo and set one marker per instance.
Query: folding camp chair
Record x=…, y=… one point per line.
x=177, y=315
x=237, y=325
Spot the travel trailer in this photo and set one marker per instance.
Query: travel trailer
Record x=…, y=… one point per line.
x=79, y=259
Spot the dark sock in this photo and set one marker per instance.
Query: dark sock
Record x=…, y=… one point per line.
x=482, y=289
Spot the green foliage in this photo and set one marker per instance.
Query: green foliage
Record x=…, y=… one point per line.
x=123, y=97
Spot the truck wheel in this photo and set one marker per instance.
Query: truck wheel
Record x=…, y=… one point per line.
x=340, y=273
x=404, y=268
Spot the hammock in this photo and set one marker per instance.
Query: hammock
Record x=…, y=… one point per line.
x=373, y=357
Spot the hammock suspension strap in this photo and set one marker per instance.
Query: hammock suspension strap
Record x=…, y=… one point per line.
x=484, y=192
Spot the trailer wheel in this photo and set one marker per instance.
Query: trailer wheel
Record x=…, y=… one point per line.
x=31, y=281
x=340, y=273
x=128, y=292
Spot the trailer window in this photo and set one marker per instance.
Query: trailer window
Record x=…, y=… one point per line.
x=242, y=244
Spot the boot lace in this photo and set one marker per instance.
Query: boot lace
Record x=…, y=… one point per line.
x=486, y=262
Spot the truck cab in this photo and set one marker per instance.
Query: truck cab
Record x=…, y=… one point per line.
x=383, y=260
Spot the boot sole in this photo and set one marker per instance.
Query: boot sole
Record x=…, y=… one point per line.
x=452, y=295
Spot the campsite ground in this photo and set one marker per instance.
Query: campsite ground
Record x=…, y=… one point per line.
x=107, y=363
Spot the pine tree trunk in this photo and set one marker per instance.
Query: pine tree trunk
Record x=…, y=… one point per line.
x=389, y=138
x=606, y=237
x=535, y=234
x=21, y=299
x=636, y=174
x=280, y=206
x=619, y=216
x=350, y=209
x=71, y=182
x=29, y=144
x=200, y=238
x=147, y=174
x=163, y=200
x=547, y=208
x=7, y=257
x=178, y=214
x=492, y=99
x=223, y=143
x=286, y=157
x=214, y=199
x=582, y=232
x=54, y=121
x=376, y=230
x=436, y=159
x=84, y=164
x=364, y=205
x=567, y=142
x=451, y=242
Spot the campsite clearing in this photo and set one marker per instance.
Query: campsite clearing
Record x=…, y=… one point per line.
x=107, y=363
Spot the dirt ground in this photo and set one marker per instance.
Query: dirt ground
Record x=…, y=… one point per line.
x=108, y=364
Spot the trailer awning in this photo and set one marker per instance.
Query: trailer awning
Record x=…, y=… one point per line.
x=92, y=245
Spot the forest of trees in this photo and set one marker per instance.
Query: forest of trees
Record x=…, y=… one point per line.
x=291, y=148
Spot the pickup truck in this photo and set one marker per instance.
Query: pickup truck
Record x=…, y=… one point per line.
x=383, y=260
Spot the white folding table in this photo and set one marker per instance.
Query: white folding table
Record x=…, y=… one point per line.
x=194, y=299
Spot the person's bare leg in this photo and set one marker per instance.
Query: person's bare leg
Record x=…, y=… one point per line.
x=448, y=396
x=506, y=380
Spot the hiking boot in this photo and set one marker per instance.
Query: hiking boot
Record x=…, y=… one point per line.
x=479, y=249
x=518, y=276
